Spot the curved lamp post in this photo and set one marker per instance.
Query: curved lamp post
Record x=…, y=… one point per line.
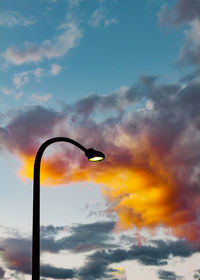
x=91, y=154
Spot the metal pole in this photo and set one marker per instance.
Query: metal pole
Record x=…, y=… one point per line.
x=36, y=202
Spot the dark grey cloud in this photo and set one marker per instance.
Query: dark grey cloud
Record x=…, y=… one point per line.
x=197, y=274
x=180, y=13
x=16, y=252
x=82, y=238
x=148, y=80
x=50, y=230
x=191, y=77
x=156, y=253
x=91, y=236
x=168, y=275
x=56, y=273
x=2, y=272
x=94, y=269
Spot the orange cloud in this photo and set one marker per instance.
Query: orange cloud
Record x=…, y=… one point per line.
x=141, y=189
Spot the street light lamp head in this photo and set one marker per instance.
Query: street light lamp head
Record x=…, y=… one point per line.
x=94, y=155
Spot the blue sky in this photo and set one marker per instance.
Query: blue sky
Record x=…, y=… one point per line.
x=124, y=42
x=122, y=76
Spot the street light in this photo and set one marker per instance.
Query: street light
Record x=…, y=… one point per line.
x=91, y=154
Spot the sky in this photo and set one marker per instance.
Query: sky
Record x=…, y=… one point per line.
x=122, y=77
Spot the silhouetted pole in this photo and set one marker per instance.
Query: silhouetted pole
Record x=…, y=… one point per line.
x=92, y=155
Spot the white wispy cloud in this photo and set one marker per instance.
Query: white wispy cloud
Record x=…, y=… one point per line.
x=6, y=91
x=38, y=73
x=11, y=92
x=55, y=69
x=99, y=17
x=21, y=79
x=73, y=3
x=57, y=47
x=41, y=99
x=13, y=18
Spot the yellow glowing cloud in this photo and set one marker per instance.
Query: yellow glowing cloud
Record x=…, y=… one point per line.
x=118, y=271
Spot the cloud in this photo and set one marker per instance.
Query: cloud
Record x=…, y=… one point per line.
x=40, y=99
x=16, y=251
x=59, y=46
x=50, y=230
x=119, y=273
x=182, y=12
x=20, y=79
x=2, y=272
x=82, y=238
x=38, y=72
x=101, y=16
x=168, y=275
x=56, y=273
x=96, y=210
x=55, y=69
x=25, y=124
x=197, y=274
x=73, y=3
x=17, y=257
x=116, y=101
x=156, y=253
x=90, y=236
x=17, y=254
x=6, y=91
x=152, y=150
x=12, y=92
x=190, y=51
x=13, y=18
x=185, y=12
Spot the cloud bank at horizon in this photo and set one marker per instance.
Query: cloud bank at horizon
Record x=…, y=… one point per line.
x=101, y=252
